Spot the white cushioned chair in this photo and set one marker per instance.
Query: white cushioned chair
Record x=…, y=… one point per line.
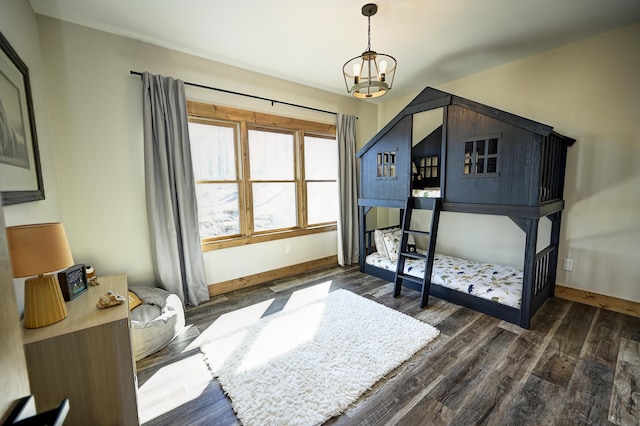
x=156, y=322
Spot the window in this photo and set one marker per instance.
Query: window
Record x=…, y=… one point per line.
x=272, y=180
x=481, y=156
x=386, y=164
x=261, y=177
x=321, y=171
x=428, y=167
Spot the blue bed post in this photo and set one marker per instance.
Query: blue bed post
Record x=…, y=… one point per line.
x=528, y=276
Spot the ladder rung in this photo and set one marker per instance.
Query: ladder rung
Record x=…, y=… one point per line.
x=415, y=231
x=410, y=278
x=413, y=255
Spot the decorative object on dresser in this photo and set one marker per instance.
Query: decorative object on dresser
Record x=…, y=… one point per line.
x=39, y=249
x=109, y=300
x=73, y=281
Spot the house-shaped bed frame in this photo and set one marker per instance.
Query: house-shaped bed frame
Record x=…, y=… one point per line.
x=484, y=161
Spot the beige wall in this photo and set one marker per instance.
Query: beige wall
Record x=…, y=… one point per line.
x=590, y=91
x=96, y=116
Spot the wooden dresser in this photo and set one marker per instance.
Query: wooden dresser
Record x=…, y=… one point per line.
x=87, y=358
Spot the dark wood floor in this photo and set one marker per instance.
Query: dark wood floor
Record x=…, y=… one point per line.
x=577, y=365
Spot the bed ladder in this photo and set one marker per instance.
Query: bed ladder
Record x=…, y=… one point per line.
x=413, y=203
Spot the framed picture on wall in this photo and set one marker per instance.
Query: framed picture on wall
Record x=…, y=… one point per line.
x=20, y=174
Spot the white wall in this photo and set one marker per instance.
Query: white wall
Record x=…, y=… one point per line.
x=96, y=116
x=18, y=25
x=589, y=91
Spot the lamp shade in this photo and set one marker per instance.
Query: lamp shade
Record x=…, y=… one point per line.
x=37, y=249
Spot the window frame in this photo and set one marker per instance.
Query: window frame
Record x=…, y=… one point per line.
x=243, y=121
x=305, y=180
x=485, y=156
x=386, y=164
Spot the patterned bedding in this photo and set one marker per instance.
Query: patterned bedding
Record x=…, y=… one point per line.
x=426, y=193
x=498, y=283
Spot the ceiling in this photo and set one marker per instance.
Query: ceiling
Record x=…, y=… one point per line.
x=434, y=41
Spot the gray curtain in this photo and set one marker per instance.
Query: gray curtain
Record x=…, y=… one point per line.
x=348, y=190
x=171, y=199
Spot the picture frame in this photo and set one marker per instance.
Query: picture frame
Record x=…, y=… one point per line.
x=20, y=172
x=73, y=281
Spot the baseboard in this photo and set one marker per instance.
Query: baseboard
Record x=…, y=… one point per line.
x=598, y=300
x=263, y=277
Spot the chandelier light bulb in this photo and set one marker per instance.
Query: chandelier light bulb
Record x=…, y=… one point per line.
x=356, y=73
x=383, y=70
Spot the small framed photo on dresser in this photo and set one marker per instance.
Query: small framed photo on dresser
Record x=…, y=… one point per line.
x=73, y=281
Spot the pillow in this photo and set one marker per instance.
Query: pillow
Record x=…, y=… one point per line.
x=392, y=243
x=134, y=300
x=379, y=241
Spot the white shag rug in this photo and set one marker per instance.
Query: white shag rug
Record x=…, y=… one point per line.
x=309, y=362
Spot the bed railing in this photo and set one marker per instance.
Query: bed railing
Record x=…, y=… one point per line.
x=544, y=276
x=553, y=153
x=369, y=245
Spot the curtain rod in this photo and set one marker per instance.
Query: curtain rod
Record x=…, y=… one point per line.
x=273, y=101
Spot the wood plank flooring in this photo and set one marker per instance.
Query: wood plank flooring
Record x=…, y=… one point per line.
x=578, y=365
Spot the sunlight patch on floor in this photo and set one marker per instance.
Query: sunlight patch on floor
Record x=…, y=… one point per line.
x=295, y=327
x=307, y=295
x=172, y=386
x=230, y=322
x=231, y=330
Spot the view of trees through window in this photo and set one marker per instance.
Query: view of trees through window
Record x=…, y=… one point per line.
x=271, y=180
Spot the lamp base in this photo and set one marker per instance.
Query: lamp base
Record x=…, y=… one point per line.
x=43, y=302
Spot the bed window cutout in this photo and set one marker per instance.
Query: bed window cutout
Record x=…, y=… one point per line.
x=428, y=167
x=481, y=156
x=426, y=173
x=386, y=167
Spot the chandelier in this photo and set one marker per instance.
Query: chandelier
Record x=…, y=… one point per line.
x=371, y=74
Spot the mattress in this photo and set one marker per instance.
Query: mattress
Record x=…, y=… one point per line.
x=426, y=193
x=498, y=283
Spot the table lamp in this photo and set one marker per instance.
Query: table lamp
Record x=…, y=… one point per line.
x=39, y=249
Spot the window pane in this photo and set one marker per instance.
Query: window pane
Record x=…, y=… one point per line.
x=492, y=165
x=212, y=152
x=320, y=158
x=271, y=155
x=493, y=146
x=468, y=148
x=274, y=206
x=218, y=212
x=322, y=202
